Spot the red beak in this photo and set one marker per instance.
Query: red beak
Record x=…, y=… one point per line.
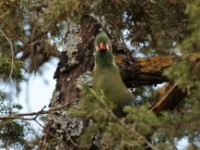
x=101, y=46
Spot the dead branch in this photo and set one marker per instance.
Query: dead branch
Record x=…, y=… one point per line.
x=170, y=99
x=22, y=116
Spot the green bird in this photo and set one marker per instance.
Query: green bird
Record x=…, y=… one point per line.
x=107, y=76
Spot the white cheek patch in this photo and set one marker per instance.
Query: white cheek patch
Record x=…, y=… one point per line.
x=96, y=47
x=107, y=46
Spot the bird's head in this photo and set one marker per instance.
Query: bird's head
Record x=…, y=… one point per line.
x=103, y=54
x=102, y=42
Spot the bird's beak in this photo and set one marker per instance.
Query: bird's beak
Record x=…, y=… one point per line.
x=101, y=47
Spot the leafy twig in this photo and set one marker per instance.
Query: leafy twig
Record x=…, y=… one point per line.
x=12, y=53
x=12, y=31
x=54, y=53
x=122, y=123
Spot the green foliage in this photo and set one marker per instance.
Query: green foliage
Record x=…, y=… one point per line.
x=182, y=75
x=13, y=133
x=148, y=25
x=146, y=95
x=51, y=143
x=192, y=43
x=140, y=127
x=6, y=107
x=15, y=70
x=186, y=73
x=113, y=132
x=23, y=23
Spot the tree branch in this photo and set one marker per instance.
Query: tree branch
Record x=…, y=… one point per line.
x=13, y=32
x=52, y=53
x=170, y=99
x=35, y=114
x=148, y=71
x=12, y=54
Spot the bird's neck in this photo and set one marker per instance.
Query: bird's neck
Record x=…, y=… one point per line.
x=104, y=59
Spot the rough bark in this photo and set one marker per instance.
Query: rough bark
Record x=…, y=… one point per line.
x=66, y=75
x=144, y=71
x=170, y=99
x=84, y=61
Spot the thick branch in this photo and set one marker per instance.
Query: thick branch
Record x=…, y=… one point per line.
x=170, y=99
x=144, y=71
x=148, y=71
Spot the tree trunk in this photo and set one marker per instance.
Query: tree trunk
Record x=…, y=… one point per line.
x=76, y=59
